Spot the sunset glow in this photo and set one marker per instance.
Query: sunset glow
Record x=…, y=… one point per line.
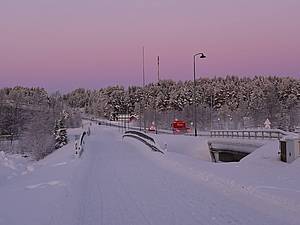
x=63, y=44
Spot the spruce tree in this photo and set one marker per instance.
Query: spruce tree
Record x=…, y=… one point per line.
x=61, y=138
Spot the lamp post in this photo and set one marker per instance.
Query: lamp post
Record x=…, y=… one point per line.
x=155, y=116
x=140, y=98
x=202, y=56
x=144, y=87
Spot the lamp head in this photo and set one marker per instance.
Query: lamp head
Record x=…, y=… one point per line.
x=202, y=56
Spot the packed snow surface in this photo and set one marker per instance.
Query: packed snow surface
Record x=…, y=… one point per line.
x=123, y=182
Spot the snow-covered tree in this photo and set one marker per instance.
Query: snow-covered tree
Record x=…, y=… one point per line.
x=60, y=134
x=229, y=102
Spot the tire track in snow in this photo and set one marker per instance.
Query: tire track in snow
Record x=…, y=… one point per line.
x=133, y=200
x=124, y=185
x=90, y=202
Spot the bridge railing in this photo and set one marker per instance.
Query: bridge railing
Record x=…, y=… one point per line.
x=79, y=144
x=144, y=138
x=250, y=134
x=140, y=134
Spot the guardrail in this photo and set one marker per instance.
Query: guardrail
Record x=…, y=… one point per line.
x=256, y=134
x=143, y=138
x=160, y=131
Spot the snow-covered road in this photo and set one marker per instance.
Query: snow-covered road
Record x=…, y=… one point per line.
x=123, y=183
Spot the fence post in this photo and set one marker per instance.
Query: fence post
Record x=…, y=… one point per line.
x=11, y=138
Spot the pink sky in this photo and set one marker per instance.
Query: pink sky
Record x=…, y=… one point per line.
x=64, y=44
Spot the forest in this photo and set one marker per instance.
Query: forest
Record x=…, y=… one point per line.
x=34, y=122
x=222, y=103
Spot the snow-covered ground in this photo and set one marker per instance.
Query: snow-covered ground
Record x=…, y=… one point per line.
x=122, y=182
x=259, y=174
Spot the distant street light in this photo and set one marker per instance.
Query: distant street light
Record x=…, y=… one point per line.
x=140, y=98
x=202, y=56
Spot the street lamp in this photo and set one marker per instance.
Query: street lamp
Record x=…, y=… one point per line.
x=202, y=56
x=155, y=116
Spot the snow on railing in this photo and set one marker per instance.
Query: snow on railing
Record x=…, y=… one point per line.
x=260, y=133
x=79, y=144
x=144, y=138
x=141, y=134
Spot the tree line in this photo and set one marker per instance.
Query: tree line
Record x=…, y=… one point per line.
x=222, y=103
x=37, y=120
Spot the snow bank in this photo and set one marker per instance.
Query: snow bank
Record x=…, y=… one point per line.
x=264, y=155
x=195, y=147
x=31, y=191
x=12, y=165
x=261, y=174
x=273, y=183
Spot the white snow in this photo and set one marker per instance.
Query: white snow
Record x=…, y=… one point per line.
x=122, y=182
x=236, y=144
x=41, y=185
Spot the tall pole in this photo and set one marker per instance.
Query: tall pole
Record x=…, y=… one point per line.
x=194, y=98
x=143, y=80
x=211, y=110
x=158, y=68
x=155, y=116
x=202, y=56
x=140, y=112
x=143, y=66
x=144, y=87
x=127, y=119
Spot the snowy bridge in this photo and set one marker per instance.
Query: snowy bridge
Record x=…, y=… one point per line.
x=233, y=145
x=121, y=182
x=231, y=150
